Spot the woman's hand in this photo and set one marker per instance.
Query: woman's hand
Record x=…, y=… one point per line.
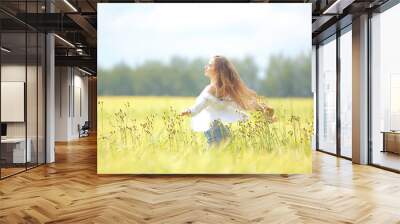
x=186, y=112
x=268, y=112
x=262, y=107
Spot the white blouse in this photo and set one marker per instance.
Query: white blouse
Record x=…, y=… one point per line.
x=209, y=108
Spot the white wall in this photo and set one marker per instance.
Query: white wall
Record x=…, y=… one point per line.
x=70, y=83
x=10, y=73
x=79, y=117
x=62, y=82
x=14, y=73
x=33, y=126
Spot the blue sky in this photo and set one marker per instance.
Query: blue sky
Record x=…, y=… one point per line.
x=133, y=33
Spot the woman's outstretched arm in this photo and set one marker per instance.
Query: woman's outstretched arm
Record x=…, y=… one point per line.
x=201, y=102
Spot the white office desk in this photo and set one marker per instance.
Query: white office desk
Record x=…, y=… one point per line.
x=19, y=149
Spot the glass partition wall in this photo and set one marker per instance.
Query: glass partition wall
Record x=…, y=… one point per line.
x=385, y=89
x=22, y=77
x=334, y=90
x=346, y=92
x=334, y=105
x=327, y=95
x=13, y=110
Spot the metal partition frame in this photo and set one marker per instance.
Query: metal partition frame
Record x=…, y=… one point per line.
x=337, y=35
x=44, y=75
x=340, y=31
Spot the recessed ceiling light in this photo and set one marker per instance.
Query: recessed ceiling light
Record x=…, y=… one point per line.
x=64, y=40
x=338, y=6
x=70, y=5
x=86, y=72
x=5, y=49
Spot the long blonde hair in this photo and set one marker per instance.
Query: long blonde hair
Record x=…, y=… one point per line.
x=229, y=84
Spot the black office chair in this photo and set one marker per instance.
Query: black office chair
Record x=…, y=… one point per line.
x=84, y=130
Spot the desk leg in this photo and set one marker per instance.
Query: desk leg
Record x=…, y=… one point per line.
x=384, y=143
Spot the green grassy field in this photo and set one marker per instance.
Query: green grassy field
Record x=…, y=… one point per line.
x=145, y=135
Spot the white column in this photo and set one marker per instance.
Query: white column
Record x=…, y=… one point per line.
x=360, y=90
x=50, y=100
x=314, y=91
x=50, y=93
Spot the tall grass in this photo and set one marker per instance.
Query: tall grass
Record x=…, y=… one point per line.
x=141, y=135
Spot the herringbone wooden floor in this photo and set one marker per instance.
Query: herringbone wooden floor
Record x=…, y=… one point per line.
x=70, y=191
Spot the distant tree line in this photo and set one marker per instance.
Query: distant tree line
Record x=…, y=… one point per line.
x=284, y=77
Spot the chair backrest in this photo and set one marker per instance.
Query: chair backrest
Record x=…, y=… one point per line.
x=86, y=125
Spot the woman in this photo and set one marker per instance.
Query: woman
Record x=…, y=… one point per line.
x=223, y=101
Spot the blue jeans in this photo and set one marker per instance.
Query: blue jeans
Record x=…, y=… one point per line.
x=217, y=132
